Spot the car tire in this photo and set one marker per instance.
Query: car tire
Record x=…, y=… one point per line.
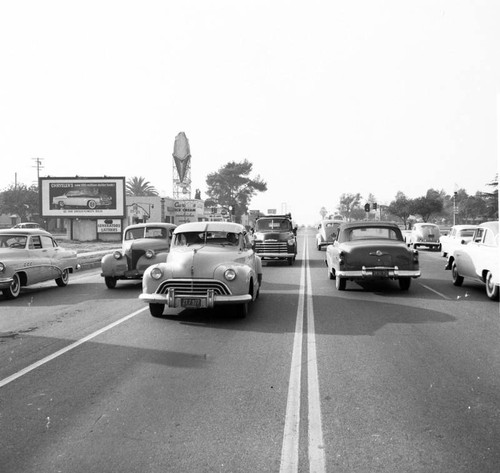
x=444, y=254
x=404, y=283
x=61, y=204
x=64, y=279
x=330, y=273
x=457, y=279
x=110, y=282
x=492, y=290
x=14, y=289
x=340, y=283
x=290, y=261
x=156, y=309
x=91, y=204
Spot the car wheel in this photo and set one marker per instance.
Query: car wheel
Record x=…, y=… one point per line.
x=444, y=254
x=438, y=248
x=491, y=288
x=61, y=204
x=64, y=279
x=457, y=279
x=290, y=261
x=111, y=282
x=404, y=283
x=340, y=283
x=14, y=289
x=91, y=204
x=156, y=309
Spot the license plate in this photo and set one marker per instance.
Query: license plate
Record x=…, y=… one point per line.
x=380, y=273
x=191, y=303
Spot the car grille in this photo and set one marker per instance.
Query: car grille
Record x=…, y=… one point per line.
x=193, y=287
x=271, y=247
x=134, y=257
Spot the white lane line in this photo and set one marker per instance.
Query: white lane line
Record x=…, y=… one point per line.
x=435, y=292
x=41, y=362
x=290, y=448
x=316, y=447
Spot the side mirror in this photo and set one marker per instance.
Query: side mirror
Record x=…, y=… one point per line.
x=294, y=230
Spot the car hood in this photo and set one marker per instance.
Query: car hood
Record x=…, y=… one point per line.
x=278, y=236
x=155, y=244
x=200, y=261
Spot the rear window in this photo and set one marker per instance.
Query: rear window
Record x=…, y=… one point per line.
x=369, y=233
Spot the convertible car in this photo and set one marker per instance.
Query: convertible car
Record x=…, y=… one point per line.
x=31, y=256
x=479, y=259
x=209, y=264
x=371, y=250
x=143, y=244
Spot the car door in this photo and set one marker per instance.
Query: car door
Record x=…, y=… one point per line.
x=467, y=255
x=38, y=265
x=51, y=251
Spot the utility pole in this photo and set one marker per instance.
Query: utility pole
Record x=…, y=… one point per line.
x=38, y=165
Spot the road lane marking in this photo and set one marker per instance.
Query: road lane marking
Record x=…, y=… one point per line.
x=290, y=448
x=45, y=360
x=316, y=447
x=435, y=292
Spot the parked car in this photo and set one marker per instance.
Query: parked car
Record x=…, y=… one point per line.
x=424, y=234
x=82, y=198
x=458, y=235
x=143, y=244
x=28, y=225
x=371, y=250
x=30, y=256
x=478, y=260
x=209, y=264
x=327, y=231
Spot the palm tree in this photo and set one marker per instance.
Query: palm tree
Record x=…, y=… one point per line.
x=138, y=186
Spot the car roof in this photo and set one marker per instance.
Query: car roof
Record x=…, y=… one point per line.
x=493, y=226
x=24, y=231
x=210, y=227
x=370, y=223
x=151, y=224
x=462, y=226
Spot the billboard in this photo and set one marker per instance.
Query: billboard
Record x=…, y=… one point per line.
x=92, y=197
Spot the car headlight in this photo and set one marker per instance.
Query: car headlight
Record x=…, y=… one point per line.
x=291, y=241
x=230, y=274
x=2, y=267
x=149, y=254
x=117, y=254
x=156, y=273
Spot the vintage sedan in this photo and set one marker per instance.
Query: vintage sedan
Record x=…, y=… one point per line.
x=458, y=235
x=424, y=234
x=30, y=256
x=479, y=259
x=371, y=250
x=82, y=198
x=327, y=231
x=209, y=264
x=143, y=244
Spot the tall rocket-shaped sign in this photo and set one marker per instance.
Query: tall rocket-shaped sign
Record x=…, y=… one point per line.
x=182, y=164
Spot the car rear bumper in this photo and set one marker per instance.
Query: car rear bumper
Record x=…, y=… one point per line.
x=376, y=273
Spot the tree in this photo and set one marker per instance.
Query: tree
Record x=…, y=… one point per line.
x=401, y=207
x=348, y=203
x=426, y=206
x=231, y=186
x=138, y=186
x=491, y=198
x=21, y=200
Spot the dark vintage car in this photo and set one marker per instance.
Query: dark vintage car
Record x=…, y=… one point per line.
x=31, y=256
x=143, y=244
x=275, y=238
x=209, y=264
x=371, y=250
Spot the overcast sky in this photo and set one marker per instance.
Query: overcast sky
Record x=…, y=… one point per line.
x=323, y=97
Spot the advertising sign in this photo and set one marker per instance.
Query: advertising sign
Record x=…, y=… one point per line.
x=66, y=197
x=109, y=225
x=188, y=210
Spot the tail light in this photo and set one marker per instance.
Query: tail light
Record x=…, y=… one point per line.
x=415, y=256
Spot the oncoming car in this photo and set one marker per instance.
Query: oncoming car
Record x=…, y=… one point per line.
x=371, y=250
x=30, y=256
x=143, y=244
x=209, y=264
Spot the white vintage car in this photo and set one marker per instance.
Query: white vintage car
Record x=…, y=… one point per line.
x=30, y=256
x=82, y=198
x=424, y=234
x=479, y=259
x=327, y=231
x=209, y=264
x=458, y=235
x=143, y=244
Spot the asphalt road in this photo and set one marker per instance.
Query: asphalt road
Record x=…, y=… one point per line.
x=371, y=379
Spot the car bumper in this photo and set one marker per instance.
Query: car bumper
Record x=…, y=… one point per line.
x=128, y=274
x=5, y=283
x=209, y=301
x=379, y=273
x=276, y=255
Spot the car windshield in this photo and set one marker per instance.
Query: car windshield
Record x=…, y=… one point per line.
x=13, y=241
x=273, y=224
x=145, y=232
x=208, y=238
x=369, y=233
